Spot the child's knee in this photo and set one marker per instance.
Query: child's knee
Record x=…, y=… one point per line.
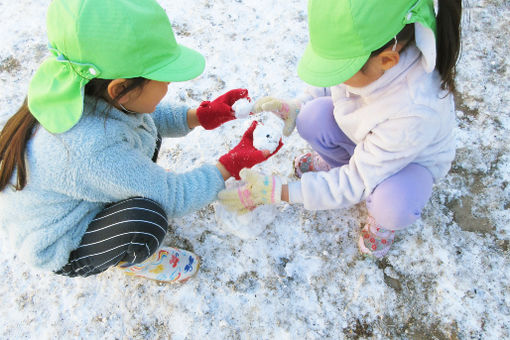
x=301, y=122
x=393, y=214
x=312, y=115
x=398, y=201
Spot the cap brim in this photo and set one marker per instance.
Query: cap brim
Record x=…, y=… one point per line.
x=188, y=65
x=324, y=72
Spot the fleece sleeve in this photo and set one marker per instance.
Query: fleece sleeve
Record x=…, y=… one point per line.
x=171, y=120
x=119, y=172
x=387, y=149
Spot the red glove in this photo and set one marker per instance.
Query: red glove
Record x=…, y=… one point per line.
x=244, y=155
x=212, y=114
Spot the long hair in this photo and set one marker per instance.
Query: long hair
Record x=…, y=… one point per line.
x=19, y=129
x=447, y=41
x=13, y=140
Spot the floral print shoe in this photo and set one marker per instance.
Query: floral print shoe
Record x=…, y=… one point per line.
x=167, y=264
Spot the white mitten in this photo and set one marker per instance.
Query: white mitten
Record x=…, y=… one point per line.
x=285, y=109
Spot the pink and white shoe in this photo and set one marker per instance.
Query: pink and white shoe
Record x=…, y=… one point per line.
x=168, y=265
x=374, y=240
x=310, y=161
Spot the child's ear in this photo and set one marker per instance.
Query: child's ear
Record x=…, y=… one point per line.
x=116, y=87
x=388, y=59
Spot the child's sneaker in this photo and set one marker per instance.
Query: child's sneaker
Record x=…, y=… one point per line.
x=310, y=161
x=374, y=240
x=167, y=265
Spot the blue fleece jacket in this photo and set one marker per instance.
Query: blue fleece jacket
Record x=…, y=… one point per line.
x=104, y=158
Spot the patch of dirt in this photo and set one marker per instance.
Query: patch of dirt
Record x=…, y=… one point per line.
x=463, y=216
x=359, y=329
x=10, y=65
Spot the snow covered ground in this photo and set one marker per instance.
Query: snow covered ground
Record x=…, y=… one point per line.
x=301, y=278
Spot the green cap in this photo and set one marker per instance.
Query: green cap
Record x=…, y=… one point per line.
x=106, y=39
x=343, y=34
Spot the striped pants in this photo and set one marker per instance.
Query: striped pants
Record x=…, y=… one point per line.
x=127, y=231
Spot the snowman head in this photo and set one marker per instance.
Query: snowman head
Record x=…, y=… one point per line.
x=266, y=138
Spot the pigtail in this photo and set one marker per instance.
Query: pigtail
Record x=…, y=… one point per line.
x=13, y=141
x=448, y=41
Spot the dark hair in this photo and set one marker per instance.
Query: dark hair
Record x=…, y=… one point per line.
x=447, y=42
x=19, y=129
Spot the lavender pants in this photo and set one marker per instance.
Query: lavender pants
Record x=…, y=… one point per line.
x=398, y=200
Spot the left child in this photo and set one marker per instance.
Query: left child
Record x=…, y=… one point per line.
x=80, y=190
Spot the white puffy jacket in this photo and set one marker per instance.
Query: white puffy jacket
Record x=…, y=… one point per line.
x=401, y=118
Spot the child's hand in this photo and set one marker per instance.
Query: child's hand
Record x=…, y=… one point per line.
x=286, y=110
x=257, y=189
x=212, y=114
x=245, y=155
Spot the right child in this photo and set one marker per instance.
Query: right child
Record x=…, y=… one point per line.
x=380, y=122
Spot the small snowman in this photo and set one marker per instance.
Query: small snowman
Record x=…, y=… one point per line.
x=266, y=137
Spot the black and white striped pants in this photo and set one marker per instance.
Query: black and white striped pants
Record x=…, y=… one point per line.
x=128, y=231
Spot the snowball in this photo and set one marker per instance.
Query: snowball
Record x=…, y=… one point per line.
x=266, y=137
x=246, y=226
x=242, y=108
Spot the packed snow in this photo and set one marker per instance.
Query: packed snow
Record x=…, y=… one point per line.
x=300, y=275
x=242, y=108
x=266, y=137
x=245, y=226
